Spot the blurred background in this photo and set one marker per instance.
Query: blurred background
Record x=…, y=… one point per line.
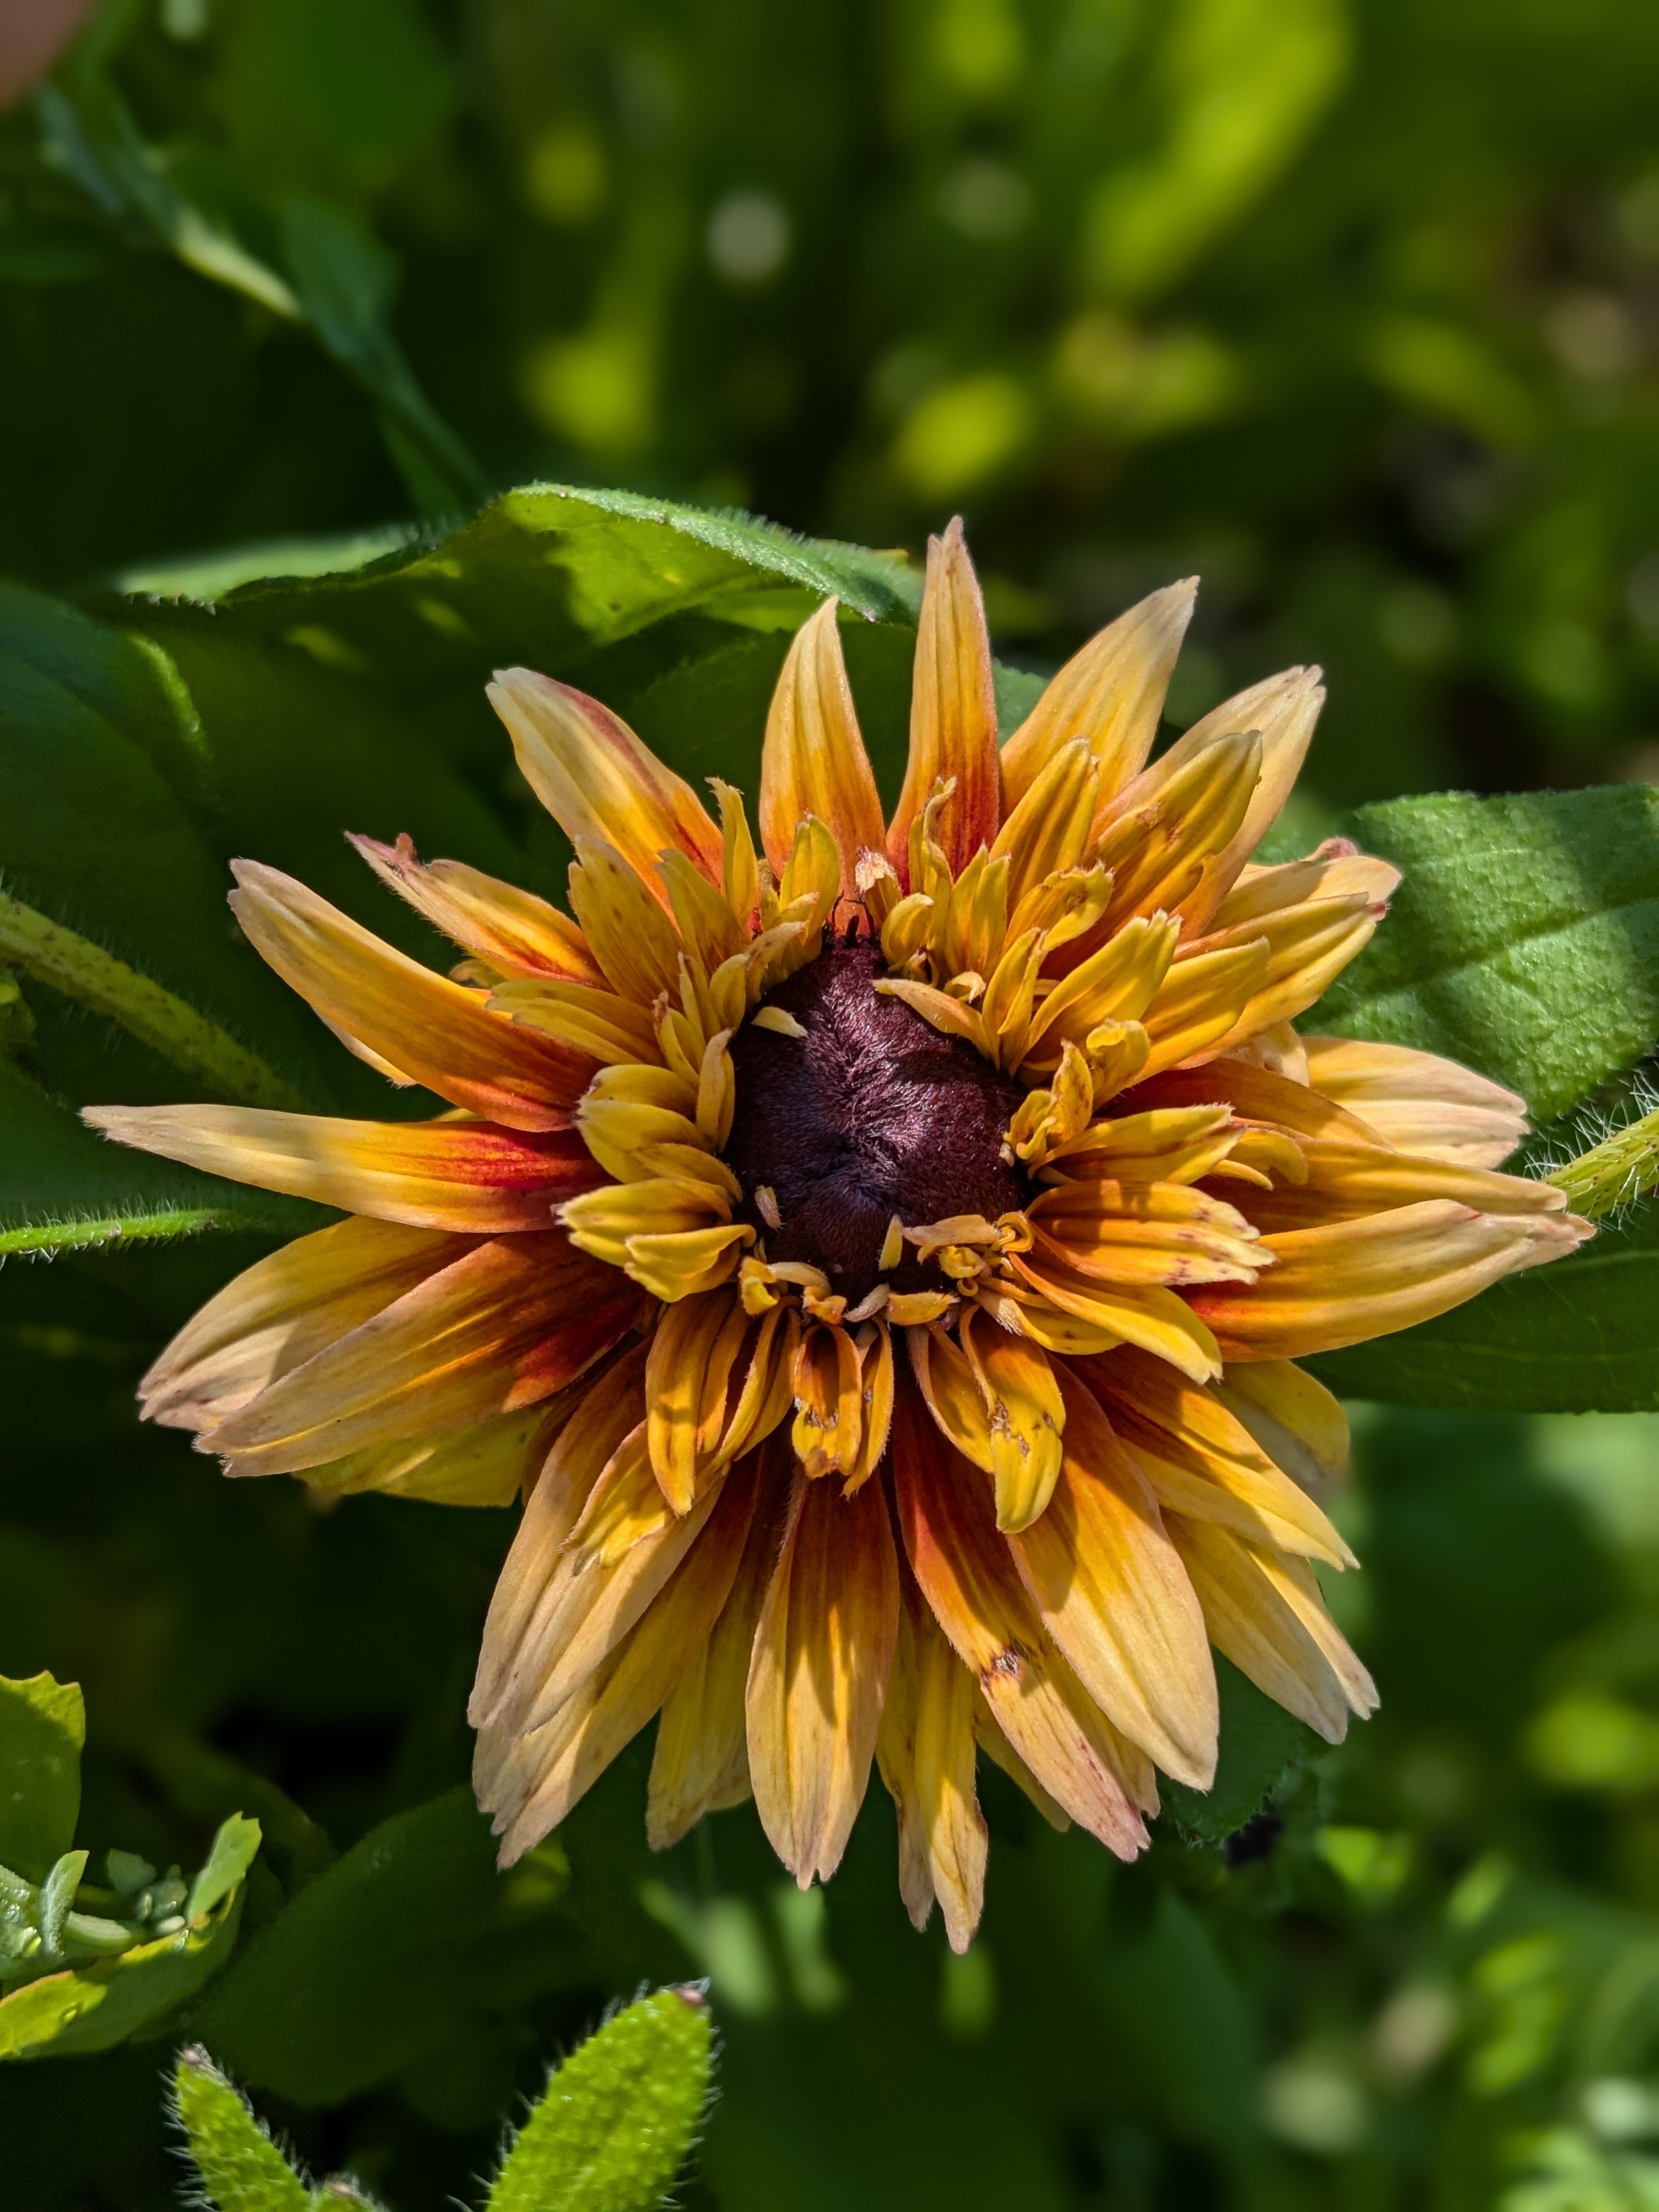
x=1350, y=307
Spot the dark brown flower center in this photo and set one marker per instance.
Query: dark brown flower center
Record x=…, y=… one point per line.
x=871, y=1114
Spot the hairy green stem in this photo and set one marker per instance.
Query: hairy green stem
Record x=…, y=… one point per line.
x=1622, y=1167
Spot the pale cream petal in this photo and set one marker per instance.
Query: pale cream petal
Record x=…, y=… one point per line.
x=1293, y=1418
x=1418, y=1100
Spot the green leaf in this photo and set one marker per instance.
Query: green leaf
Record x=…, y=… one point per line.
x=1579, y=1336
x=240, y=2167
x=93, y=2008
x=1524, y=940
x=234, y=1850
x=43, y=1727
x=1262, y=1747
x=367, y=1969
x=616, y=2122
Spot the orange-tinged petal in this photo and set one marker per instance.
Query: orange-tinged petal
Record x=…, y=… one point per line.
x=1110, y=694
x=1024, y=1414
x=1163, y=835
x=1294, y=1419
x=634, y=941
x=1203, y=1460
x=431, y=1030
x=1110, y=1590
x=1357, y=1279
x=529, y=1784
x=1418, y=1100
x=1003, y=1756
x=1200, y=1005
x=818, y=1675
x=701, y=1764
x=953, y=715
x=1143, y=1312
x=587, y=1017
x=693, y=1349
x=1255, y=1094
x=967, y=1574
x=926, y=1750
x=513, y=930
x=1144, y=1232
x=495, y=1462
x=280, y=1312
x=465, y=1176
x=503, y=1326
x=814, y=760
x=1268, y=1618
x=557, y=1614
x=1048, y=832
x=1346, y=1181
x=625, y=1506
x=600, y=783
x=1282, y=712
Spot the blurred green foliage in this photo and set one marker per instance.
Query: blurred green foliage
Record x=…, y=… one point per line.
x=1351, y=307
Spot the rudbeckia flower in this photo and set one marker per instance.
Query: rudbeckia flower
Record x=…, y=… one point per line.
x=878, y=1260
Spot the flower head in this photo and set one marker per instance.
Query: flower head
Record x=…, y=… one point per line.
x=878, y=1260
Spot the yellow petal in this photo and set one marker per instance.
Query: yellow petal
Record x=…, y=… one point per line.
x=814, y=760
x=1294, y=1419
x=464, y=1176
x=1205, y=1460
x=1200, y=1005
x=1357, y=1279
x=926, y=1750
x=1111, y=1590
x=1154, y=1318
x=1418, y=1100
x=682, y=1263
x=1144, y=1232
x=701, y=1764
x=1048, y=832
x=622, y=1134
x=516, y=931
x=633, y=940
x=874, y=1341
x=818, y=1676
x=1344, y=1182
x=431, y=1030
x=589, y=1018
x=693, y=1348
x=1273, y=1627
x=570, y=1614
x=1024, y=1416
x=967, y=1574
x=598, y=781
x=502, y=1327
x=493, y=1463
x=1164, y=835
x=1110, y=694
x=1282, y=712
x=529, y=1783
x=278, y=1312
x=1118, y=982
x=953, y=715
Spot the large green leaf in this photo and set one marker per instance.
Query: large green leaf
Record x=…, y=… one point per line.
x=1524, y=940
x=1580, y=1336
x=371, y=1966
x=1262, y=1748
x=43, y=1727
